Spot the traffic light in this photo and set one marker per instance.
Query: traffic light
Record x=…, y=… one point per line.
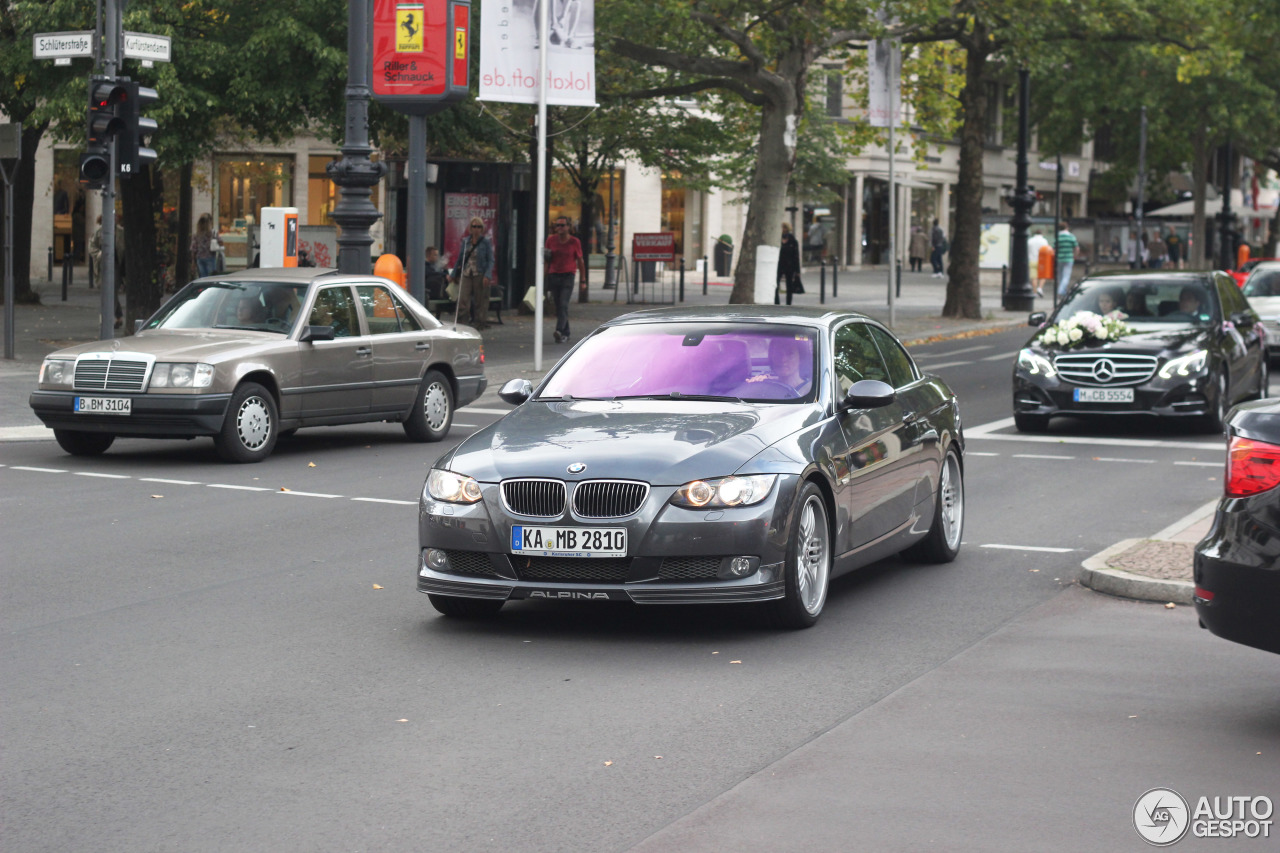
x=103, y=123
x=132, y=154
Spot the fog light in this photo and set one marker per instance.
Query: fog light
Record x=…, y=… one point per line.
x=740, y=567
x=437, y=559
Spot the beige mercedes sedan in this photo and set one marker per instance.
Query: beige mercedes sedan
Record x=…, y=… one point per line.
x=249, y=356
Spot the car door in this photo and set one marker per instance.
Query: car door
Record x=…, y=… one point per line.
x=921, y=442
x=400, y=347
x=337, y=375
x=876, y=489
x=1242, y=339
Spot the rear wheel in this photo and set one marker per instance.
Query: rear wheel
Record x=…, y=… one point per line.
x=1030, y=423
x=465, y=608
x=942, y=543
x=807, y=571
x=83, y=443
x=432, y=412
x=1264, y=379
x=251, y=427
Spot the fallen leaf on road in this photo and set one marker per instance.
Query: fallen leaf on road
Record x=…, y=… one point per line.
x=608, y=763
x=375, y=586
x=735, y=661
x=283, y=489
x=157, y=496
x=311, y=464
x=402, y=721
x=1170, y=606
x=715, y=653
x=659, y=757
x=1035, y=570
x=1133, y=716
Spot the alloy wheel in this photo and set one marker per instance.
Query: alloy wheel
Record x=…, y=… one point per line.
x=813, y=556
x=253, y=422
x=435, y=405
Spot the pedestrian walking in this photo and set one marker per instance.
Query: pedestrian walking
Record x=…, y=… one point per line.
x=472, y=274
x=202, y=250
x=563, y=258
x=1173, y=245
x=788, y=265
x=1067, y=244
x=1158, y=250
x=938, y=240
x=918, y=248
x=1038, y=251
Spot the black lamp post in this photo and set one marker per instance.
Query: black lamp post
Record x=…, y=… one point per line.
x=355, y=174
x=1020, y=296
x=1226, y=219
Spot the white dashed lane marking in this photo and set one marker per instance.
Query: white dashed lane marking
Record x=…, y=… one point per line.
x=1116, y=459
x=386, y=501
x=39, y=470
x=169, y=482
x=240, y=488
x=1201, y=464
x=103, y=476
x=1041, y=456
x=307, y=494
x=1030, y=548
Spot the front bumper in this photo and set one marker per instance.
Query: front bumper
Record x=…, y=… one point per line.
x=674, y=555
x=1165, y=398
x=1238, y=561
x=153, y=415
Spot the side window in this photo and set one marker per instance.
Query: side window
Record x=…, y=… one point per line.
x=335, y=307
x=1233, y=300
x=856, y=357
x=379, y=308
x=901, y=370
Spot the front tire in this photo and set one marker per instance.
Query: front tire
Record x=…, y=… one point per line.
x=807, y=571
x=942, y=543
x=432, y=412
x=83, y=443
x=466, y=608
x=251, y=427
x=1215, y=420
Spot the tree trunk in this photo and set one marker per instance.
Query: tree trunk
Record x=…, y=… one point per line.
x=963, y=295
x=1199, y=181
x=142, y=280
x=24, y=197
x=182, y=257
x=586, y=226
x=779, y=119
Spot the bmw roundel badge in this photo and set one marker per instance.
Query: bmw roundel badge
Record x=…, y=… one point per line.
x=577, y=468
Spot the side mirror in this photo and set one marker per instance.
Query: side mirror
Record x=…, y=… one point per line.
x=1037, y=318
x=868, y=394
x=316, y=333
x=516, y=391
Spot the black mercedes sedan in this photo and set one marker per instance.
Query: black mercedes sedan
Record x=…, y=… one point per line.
x=685, y=455
x=1172, y=344
x=1237, y=564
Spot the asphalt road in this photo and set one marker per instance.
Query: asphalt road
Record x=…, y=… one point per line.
x=199, y=656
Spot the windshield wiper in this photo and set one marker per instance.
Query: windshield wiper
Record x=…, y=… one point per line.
x=676, y=395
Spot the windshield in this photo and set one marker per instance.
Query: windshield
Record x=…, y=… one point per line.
x=249, y=305
x=772, y=363
x=1141, y=301
x=1264, y=282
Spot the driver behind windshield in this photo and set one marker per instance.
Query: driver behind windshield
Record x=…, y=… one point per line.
x=282, y=304
x=249, y=311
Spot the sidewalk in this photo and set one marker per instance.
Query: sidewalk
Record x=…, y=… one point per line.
x=1156, y=569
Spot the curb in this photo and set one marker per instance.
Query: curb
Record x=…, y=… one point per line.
x=1098, y=576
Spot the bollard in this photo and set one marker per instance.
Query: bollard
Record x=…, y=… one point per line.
x=91, y=272
x=1004, y=279
x=50, y=275
x=822, y=281
x=835, y=270
x=704, y=275
x=66, y=274
x=682, y=279
x=898, y=289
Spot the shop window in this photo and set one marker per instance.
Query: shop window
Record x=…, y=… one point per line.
x=673, y=201
x=323, y=194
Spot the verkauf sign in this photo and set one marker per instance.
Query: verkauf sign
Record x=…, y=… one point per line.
x=419, y=53
x=659, y=246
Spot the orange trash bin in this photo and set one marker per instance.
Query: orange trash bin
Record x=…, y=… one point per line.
x=1242, y=255
x=389, y=267
x=1044, y=264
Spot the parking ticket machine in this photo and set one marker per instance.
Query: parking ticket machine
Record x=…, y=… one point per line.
x=278, y=240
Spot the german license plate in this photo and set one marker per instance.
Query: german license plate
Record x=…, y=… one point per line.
x=1104, y=395
x=568, y=541
x=103, y=405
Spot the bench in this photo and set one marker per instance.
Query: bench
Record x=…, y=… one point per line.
x=442, y=307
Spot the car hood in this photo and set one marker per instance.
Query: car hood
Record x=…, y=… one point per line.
x=657, y=441
x=207, y=345
x=1164, y=340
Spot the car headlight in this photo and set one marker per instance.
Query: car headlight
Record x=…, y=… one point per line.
x=452, y=488
x=724, y=491
x=181, y=374
x=1035, y=364
x=1185, y=365
x=58, y=371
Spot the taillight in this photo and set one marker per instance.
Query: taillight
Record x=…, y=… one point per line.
x=1252, y=467
x=1203, y=594
x=482, y=353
